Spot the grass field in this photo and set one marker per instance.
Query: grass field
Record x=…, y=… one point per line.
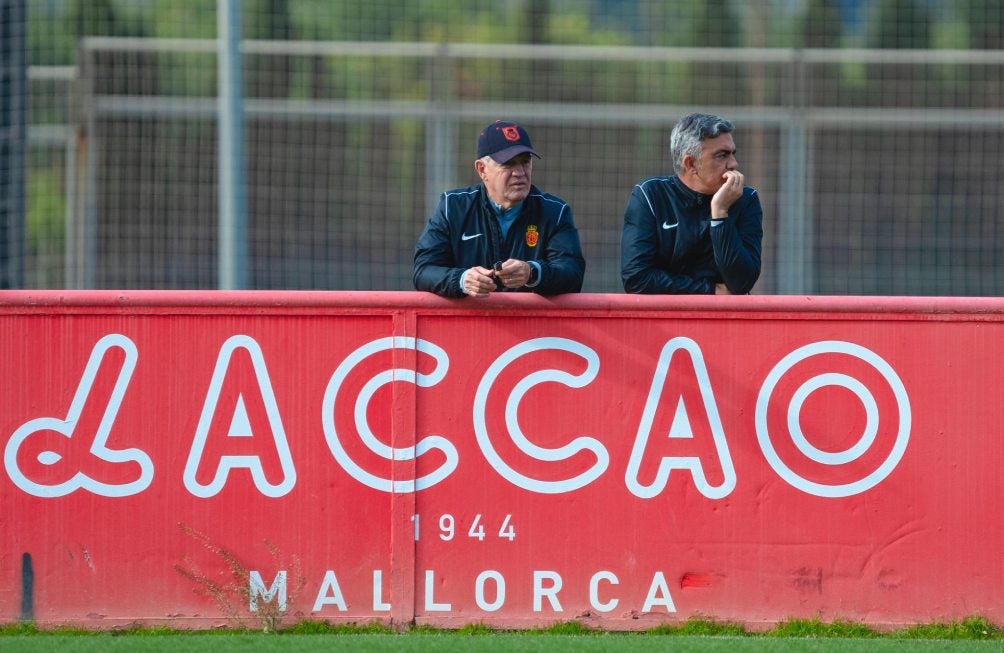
x=695, y=636
x=455, y=643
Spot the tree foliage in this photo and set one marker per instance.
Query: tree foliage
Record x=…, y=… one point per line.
x=55, y=25
x=900, y=24
x=985, y=20
x=821, y=24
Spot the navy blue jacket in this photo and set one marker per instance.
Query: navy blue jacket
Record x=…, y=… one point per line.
x=668, y=245
x=464, y=232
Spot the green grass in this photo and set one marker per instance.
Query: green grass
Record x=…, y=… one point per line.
x=974, y=634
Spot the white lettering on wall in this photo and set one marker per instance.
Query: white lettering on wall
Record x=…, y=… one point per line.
x=430, y=590
x=256, y=588
x=658, y=594
x=594, y=591
x=681, y=430
x=582, y=443
x=868, y=436
x=330, y=593
x=68, y=427
x=479, y=590
x=239, y=421
x=378, y=603
x=700, y=451
x=490, y=591
x=549, y=591
x=426, y=444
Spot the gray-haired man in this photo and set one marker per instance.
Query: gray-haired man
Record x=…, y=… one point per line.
x=699, y=231
x=503, y=234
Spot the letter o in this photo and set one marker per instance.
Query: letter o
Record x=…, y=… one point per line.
x=479, y=590
x=867, y=438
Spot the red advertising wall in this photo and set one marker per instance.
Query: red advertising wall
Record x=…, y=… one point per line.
x=202, y=459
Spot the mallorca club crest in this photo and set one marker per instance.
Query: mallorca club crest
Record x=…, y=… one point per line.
x=510, y=133
x=531, y=236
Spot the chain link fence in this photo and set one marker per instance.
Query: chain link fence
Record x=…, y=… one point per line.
x=875, y=152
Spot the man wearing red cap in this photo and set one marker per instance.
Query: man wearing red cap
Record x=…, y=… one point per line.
x=503, y=234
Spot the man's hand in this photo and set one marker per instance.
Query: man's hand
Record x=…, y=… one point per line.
x=722, y=289
x=479, y=281
x=731, y=190
x=514, y=273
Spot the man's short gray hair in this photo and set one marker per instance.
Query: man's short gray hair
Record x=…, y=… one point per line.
x=690, y=130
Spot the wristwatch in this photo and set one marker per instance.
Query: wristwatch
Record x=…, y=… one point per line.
x=534, y=275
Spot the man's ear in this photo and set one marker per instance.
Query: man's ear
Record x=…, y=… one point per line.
x=479, y=167
x=689, y=163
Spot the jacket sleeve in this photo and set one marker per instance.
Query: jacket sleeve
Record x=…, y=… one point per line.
x=562, y=266
x=640, y=269
x=435, y=269
x=737, y=243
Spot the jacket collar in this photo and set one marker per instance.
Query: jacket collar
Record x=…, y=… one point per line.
x=489, y=205
x=691, y=198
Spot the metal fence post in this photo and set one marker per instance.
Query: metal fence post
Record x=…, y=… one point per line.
x=796, y=242
x=13, y=140
x=232, y=245
x=441, y=129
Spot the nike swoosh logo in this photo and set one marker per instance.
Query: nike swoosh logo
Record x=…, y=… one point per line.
x=666, y=225
x=466, y=237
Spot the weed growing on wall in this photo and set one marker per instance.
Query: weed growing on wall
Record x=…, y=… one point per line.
x=231, y=587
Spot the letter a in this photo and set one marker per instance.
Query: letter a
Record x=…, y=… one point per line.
x=330, y=593
x=658, y=594
x=238, y=426
x=693, y=451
